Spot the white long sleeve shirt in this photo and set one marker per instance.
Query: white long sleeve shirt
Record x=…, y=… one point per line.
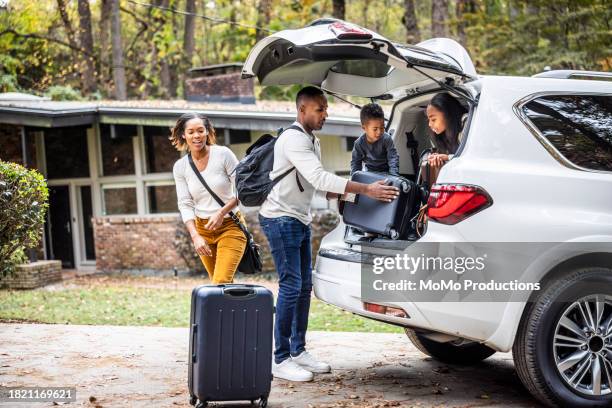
x=193, y=198
x=302, y=151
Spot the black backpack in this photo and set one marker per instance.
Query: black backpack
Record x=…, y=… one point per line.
x=253, y=182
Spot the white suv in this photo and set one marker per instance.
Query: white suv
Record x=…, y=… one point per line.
x=534, y=169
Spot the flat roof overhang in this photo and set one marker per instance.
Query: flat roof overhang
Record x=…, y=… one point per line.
x=255, y=121
x=47, y=118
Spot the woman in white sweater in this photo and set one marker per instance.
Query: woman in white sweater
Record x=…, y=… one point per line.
x=218, y=240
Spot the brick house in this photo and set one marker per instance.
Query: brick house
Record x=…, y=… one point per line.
x=109, y=169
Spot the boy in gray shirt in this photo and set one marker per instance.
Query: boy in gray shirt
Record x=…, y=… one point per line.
x=375, y=147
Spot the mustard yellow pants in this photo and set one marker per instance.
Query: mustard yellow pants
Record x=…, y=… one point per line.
x=227, y=245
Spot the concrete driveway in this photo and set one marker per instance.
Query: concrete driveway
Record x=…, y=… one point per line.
x=118, y=366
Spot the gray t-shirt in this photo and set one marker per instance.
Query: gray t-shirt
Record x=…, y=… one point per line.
x=380, y=156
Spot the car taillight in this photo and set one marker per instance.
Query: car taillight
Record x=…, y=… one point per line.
x=451, y=203
x=344, y=31
x=387, y=310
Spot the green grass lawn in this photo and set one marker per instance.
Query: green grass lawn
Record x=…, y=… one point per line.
x=138, y=306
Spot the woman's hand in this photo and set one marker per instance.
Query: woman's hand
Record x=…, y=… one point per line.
x=437, y=159
x=215, y=221
x=201, y=246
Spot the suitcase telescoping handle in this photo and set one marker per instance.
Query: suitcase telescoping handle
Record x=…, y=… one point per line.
x=242, y=292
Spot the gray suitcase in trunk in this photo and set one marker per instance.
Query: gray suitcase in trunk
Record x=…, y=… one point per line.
x=389, y=219
x=230, y=343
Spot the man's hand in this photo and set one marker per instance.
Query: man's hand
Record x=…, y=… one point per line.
x=215, y=221
x=379, y=190
x=201, y=246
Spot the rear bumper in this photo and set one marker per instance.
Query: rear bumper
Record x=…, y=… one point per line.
x=337, y=281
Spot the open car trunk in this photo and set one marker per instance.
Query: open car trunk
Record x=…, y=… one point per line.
x=346, y=59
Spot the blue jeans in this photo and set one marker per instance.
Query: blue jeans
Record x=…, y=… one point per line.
x=290, y=244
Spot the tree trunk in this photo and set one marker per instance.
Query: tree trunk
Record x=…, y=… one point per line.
x=86, y=39
x=118, y=66
x=413, y=34
x=365, y=12
x=263, y=17
x=459, y=11
x=464, y=7
x=104, y=37
x=165, y=78
x=439, y=17
x=61, y=5
x=189, y=36
x=339, y=9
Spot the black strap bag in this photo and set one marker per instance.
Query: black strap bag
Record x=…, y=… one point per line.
x=251, y=259
x=253, y=182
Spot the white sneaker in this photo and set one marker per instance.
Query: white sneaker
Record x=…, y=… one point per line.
x=305, y=360
x=290, y=370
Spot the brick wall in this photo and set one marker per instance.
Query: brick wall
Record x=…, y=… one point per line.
x=136, y=244
x=220, y=88
x=145, y=245
x=33, y=275
x=323, y=222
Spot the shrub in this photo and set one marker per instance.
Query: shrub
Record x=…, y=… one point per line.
x=23, y=204
x=63, y=93
x=8, y=83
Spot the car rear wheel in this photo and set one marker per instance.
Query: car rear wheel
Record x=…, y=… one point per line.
x=563, y=348
x=450, y=352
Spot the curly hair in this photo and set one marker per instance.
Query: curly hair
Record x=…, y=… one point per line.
x=371, y=111
x=178, y=131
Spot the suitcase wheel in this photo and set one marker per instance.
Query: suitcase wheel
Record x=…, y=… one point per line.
x=202, y=404
x=393, y=234
x=263, y=402
x=192, y=400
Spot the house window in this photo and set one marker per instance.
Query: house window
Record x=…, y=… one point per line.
x=119, y=199
x=238, y=136
x=10, y=144
x=220, y=136
x=86, y=215
x=162, y=198
x=578, y=126
x=66, y=152
x=117, y=149
x=160, y=154
x=349, y=142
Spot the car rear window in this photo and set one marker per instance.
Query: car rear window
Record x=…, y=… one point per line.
x=366, y=68
x=578, y=126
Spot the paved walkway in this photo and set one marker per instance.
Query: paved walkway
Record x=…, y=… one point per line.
x=114, y=366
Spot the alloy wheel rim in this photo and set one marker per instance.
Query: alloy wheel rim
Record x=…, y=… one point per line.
x=582, y=345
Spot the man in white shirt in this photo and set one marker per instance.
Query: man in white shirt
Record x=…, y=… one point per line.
x=285, y=219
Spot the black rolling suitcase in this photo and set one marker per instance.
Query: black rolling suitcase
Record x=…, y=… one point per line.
x=389, y=219
x=230, y=344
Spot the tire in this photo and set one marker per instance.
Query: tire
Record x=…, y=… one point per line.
x=550, y=314
x=448, y=352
